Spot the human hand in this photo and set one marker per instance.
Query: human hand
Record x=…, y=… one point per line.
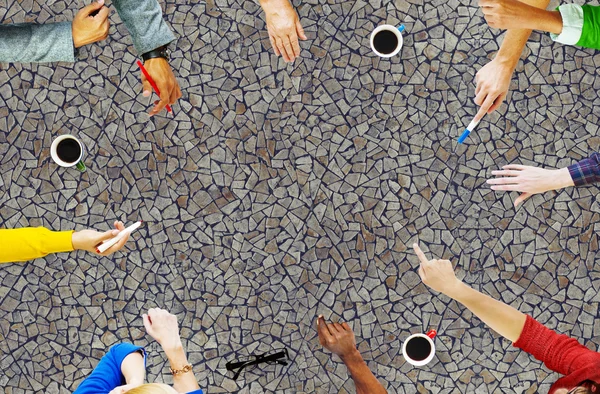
x=124, y=388
x=86, y=28
x=508, y=14
x=162, y=326
x=493, y=81
x=90, y=239
x=284, y=28
x=529, y=180
x=437, y=274
x=337, y=338
x=160, y=71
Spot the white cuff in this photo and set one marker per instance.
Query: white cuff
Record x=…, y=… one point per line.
x=572, y=17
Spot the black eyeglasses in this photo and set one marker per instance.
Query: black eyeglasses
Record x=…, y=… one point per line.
x=273, y=357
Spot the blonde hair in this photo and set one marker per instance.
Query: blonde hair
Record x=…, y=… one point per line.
x=149, y=388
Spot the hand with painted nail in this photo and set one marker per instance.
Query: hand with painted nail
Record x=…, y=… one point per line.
x=160, y=71
x=90, y=24
x=437, y=274
x=284, y=28
x=529, y=180
x=90, y=239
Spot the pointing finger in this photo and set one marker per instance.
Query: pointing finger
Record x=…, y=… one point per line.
x=420, y=254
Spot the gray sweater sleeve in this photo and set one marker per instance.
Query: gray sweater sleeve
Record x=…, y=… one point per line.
x=30, y=43
x=145, y=23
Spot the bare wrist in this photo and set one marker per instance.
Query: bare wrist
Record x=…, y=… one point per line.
x=267, y=5
x=173, y=347
x=457, y=290
x=352, y=357
x=75, y=240
x=563, y=178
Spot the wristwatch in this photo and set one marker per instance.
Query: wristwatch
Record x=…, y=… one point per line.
x=163, y=52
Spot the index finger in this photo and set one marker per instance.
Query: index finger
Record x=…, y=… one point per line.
x=322, y=328
x=420, y=254
x=489, y=101
x=102, y=15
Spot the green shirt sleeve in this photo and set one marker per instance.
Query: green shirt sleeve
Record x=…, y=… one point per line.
x=590, y=35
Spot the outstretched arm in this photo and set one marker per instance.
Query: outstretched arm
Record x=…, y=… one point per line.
x=30, y=243
x=149, y=32
x=493, y=79
x=559, y=352
x=53, y=42
x=530, y=180
x=163, y=327
x=339, y=339
x=439, y=275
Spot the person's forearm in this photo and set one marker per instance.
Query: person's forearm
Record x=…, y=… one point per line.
x=365, y=381
x=515, y=40
x=267, y=4
x=31, y=243
x=133, y=369
x=144, y=21
x=32, y=43
x=504, y=319
x=183, y=382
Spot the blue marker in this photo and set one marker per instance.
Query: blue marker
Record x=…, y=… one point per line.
x=467, y=131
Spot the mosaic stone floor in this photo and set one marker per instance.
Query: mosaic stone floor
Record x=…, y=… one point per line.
x=278, y=192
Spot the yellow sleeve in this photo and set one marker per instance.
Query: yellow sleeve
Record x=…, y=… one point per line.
x=29, y=243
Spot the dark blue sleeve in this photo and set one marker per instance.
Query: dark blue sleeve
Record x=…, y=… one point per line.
x=195, y=392
x=107, y=374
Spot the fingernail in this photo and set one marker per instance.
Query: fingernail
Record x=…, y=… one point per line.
x=146, y=93
x=100, y=1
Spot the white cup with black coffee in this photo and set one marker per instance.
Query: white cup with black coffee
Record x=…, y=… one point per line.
x=67, y=151
x=386, y=40
x=419, y=349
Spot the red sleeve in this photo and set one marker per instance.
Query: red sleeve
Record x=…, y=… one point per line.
x=559, y=352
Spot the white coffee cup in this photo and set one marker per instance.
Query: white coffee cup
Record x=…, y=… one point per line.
x=77, y=161
x=393, y=29
x=431, y=352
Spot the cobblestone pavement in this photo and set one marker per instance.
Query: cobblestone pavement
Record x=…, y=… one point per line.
x=277, y=192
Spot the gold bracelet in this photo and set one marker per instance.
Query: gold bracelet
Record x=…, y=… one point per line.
x=186, y=368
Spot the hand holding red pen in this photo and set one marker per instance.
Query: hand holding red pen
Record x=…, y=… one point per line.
x=166, y=84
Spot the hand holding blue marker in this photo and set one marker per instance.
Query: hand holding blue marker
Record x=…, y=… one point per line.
x=468, y=130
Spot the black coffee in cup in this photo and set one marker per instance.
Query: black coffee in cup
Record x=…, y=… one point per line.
x=418, y=348
x=385, y=42
x=68, y=150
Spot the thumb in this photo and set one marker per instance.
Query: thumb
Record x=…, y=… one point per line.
x=147, y=324
x=521, y=198
x=107, y=235
x=93, y=6
x=300, y=30
x=146, y=87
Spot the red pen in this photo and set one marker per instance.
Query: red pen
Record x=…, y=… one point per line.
x=149, y=78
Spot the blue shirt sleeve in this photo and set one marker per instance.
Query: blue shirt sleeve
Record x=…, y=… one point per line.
x=195, y=392
x=107, y=374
